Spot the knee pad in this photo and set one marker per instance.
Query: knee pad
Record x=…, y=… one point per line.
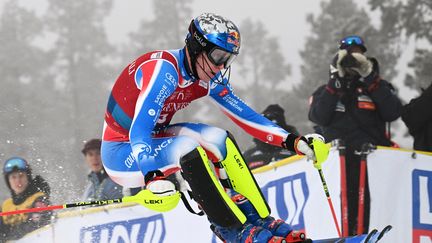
x=208, y=192
x=241, y=178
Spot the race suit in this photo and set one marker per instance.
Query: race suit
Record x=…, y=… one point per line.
x=138, y=137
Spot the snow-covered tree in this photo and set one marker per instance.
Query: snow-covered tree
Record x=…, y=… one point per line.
x=23, y=65
x=166, y=29
x=261, y=65
x=81, y=52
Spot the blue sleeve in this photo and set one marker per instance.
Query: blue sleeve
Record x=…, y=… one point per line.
x=155, y=90
x=252, y=122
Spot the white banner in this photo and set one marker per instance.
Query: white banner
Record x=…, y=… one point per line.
x=295, y=194
x=401, y=195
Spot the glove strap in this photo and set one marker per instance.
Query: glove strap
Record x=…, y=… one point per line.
x=296, y=142
x=291, y=143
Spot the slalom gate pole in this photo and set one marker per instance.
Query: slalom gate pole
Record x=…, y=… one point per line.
x=344, y=198
x=365, y=150
x=144, y=197
x=321, y=152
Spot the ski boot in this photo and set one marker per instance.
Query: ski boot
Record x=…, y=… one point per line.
x=276, y=227
x=297, y=236
x=279, y=228
x=247, y=234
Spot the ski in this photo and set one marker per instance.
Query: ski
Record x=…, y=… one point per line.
x=372, y=237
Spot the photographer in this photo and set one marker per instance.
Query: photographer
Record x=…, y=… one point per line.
x=354, y=106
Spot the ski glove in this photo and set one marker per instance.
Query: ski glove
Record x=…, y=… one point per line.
x=302, y=144
x=363, y=66
x=161, y=187
x=340, y=64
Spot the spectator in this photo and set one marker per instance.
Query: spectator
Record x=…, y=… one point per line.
x=263, y=153
x=100, y=186
x=354, y=106
x=417, y=116
x=26, y=192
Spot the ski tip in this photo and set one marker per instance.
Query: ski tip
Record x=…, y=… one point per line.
x=370, y=236
x=387, y=228
x=384, y=231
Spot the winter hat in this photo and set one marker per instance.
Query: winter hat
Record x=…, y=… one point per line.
x=275, y=113
x=92, y=144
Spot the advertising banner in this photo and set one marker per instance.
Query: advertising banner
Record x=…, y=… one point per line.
x=401, y=194
x=400, y=187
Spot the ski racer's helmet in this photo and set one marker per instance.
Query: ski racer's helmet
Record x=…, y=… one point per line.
x=352, y=40
x=16, y=164
x=217, y=36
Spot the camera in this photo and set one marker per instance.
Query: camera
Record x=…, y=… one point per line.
x=349, y=61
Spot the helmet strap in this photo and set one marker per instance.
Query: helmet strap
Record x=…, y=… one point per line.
x=194, y=48
x=191, y=69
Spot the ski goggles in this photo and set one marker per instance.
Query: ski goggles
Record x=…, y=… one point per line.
x=352, y=40
x=15, y=164
x=219, y=56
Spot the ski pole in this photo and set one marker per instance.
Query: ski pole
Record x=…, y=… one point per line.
x=321, y=152
x=144, y=197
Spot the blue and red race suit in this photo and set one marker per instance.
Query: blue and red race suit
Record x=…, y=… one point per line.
x=138, y=137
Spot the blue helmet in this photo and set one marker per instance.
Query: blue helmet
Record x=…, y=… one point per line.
x=218, y=31
x=216, y=35
x=16, y=164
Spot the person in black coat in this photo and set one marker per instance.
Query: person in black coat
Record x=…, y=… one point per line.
x=354, y=106
x=417, y=116
x=262, y=153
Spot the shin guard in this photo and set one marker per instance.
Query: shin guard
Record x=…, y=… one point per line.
x=241, y=178
x=208, y=192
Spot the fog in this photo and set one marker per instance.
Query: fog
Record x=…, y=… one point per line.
x=59, y=60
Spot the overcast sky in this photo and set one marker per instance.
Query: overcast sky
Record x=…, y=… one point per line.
x=284, y=19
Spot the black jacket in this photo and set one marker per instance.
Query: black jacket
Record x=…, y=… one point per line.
x=357, y=116
x=417, y=116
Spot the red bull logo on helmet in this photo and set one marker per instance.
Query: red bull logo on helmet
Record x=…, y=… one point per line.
x=233, y=38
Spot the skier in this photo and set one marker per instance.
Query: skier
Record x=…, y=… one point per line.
x=141, y=147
